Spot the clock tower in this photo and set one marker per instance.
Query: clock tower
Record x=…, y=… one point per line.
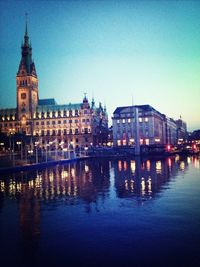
x=27, y=87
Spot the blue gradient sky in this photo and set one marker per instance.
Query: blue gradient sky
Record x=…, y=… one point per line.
x=145, y=52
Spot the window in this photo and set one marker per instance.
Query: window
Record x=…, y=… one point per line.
x=83, y=120
x=42, y=123
x=65, y=132
x=123, y=121
x=76, y=140
x=48, y=122
x=119, y=142
x=59, y=122
x=146, y=119
x=53, y=122
x=70, y=131
x=129, y=120
x=86, y=130
x=76, y=112
x=70, y=121
x=118, y=121
x=76, y=131
x=140, y=119
x=76, y=121
x=37, y=122
x=65, y=121
x=59, y=132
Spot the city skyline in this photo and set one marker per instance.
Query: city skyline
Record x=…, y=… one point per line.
x=113, y=50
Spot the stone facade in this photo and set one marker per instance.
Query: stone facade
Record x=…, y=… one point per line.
x=75, y=125
x=144, y=123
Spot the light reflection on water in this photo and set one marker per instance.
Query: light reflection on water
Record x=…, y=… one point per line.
x=39, y=198
x=86, y=179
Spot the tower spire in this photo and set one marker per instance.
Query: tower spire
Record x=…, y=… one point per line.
x=26, y=27
x=26, y=43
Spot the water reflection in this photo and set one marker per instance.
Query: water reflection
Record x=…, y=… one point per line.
x=90, y=185
x=145, y=178
x=90, y=180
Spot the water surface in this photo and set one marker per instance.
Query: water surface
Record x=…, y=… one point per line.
x=121, y=212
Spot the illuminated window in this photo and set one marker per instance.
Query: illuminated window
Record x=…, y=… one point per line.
x=157, y=140
x=147, y=141
x=119, y=142
x=123, y=121
x=140, y=119
x=118, y=121
x=146, y=119
x=124, y=142
x=129, y=120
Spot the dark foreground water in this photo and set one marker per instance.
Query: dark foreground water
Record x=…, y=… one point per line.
x=103, y=213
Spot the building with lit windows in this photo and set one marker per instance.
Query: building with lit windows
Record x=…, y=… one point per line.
x=76, y=125
x=142, y=123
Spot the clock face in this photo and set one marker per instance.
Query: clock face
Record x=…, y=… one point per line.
x=23, y=96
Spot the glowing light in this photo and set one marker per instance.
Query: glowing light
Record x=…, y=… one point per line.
x=143, y=186
x=125, y=165
x=133, y=166
x=169, y=161
x=119, y=165
x=182, y=165
x=148, y=165
x=86, y=168
x=158, y=166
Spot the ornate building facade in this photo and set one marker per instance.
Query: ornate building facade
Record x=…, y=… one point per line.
x=75, y=125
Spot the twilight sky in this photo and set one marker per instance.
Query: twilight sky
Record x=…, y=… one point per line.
x=120, y=52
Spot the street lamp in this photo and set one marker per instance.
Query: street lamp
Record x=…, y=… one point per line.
x=36, y=151
x=2, y=146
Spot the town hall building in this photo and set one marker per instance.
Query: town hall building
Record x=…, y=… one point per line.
x=78, y=125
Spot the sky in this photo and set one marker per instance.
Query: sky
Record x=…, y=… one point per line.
x=120, y=52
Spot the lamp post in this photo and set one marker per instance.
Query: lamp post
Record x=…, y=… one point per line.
x=36, y=151
x=2, y=146
x=18, y=144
